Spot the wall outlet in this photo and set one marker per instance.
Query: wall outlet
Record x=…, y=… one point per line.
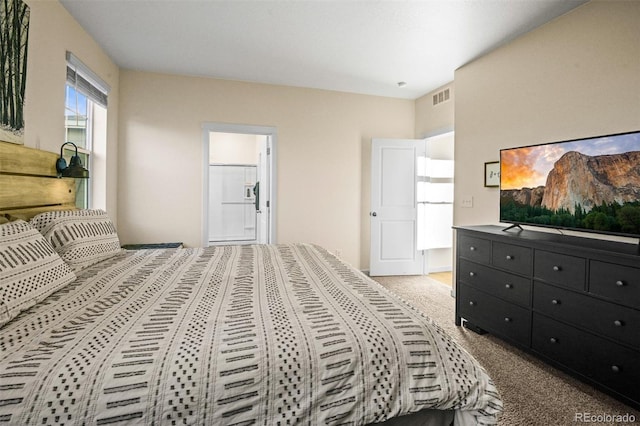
x=467, y=202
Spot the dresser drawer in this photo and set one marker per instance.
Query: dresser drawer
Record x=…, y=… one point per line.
x=619, y=283
x=612, y=365
x=512, y=258
x=494, y=315
x=604, y=318
x=501, y=284
x=476, y=249
x=568, y=271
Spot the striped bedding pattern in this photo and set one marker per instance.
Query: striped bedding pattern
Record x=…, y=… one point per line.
x=232, y=335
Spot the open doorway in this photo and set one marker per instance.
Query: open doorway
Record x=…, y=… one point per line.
x=238, y=184
x=411, y=205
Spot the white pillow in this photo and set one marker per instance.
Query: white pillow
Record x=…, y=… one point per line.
x=30, y=269
x=81, y=237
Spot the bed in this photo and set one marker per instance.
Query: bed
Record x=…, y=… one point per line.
x=229, y=335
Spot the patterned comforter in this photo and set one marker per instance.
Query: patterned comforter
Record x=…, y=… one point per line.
x=234, y=335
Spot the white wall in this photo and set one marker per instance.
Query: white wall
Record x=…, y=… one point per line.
x=53, y=32
x=323, y=155
x=435, y=119
x=577, y=76
x=234, y=148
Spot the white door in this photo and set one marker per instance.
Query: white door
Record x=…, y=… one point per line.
x=393, y=214
x=262, y=193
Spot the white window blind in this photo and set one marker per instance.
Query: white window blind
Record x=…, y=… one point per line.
x=83, y=79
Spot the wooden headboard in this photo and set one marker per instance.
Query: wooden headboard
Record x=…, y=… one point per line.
x=29, y=184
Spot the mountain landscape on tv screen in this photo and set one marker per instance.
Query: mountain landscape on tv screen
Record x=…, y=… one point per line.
x=600, y=193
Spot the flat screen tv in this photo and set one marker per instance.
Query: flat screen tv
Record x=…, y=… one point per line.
x=590, y=184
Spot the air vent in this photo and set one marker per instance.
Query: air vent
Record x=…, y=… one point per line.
x=442, y=96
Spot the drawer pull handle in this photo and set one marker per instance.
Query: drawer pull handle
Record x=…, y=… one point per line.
x=507, y=319
x=557, y=268
x=472, y=303
x=508, y=286
x=555, y=302
x=615, y=368
x=472, y=248
x=509, y=257
x=553, y=340
x=620, y=283
x=617, y=323
x=472, y=274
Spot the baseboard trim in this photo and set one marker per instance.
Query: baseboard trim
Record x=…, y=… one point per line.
x=440, y=269
x=432, y=271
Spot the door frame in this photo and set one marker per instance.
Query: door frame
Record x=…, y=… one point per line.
x=271, y=190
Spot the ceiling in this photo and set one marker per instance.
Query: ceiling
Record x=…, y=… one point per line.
x=364, y=46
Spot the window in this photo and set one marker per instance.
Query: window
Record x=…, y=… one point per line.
x=77, y=120
x=85, y=99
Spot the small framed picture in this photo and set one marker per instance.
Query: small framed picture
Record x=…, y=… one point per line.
x=492, y=174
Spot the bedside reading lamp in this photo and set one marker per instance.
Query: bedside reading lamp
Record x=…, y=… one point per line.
x=75, y=169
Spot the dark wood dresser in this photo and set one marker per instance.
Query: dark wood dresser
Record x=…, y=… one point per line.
x=572, y=301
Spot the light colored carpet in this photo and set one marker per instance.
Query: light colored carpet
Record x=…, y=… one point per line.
x=533, y=392
x=443, y=277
